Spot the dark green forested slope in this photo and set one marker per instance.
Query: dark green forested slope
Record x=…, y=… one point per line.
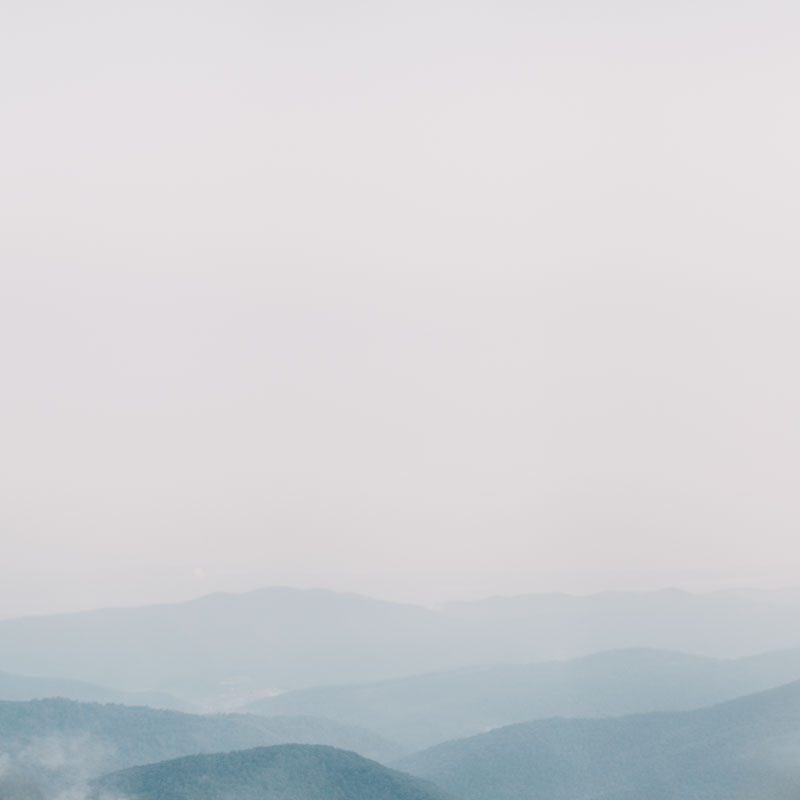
x=746, y=749
x=287, y=772
x=66, y=740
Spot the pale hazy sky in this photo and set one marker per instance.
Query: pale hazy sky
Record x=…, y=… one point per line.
x=398, y=297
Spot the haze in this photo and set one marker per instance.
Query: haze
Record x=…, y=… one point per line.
x=422, y=300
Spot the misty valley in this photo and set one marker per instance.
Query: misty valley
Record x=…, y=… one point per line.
x=284, y=694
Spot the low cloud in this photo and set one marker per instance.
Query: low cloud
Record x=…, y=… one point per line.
x=54, y=767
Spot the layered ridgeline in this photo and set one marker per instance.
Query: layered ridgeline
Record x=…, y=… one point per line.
x=52, y=744
x=422, y=710
x=746, y=749
x=227, y=649
x=24, y=687
x=289, y=772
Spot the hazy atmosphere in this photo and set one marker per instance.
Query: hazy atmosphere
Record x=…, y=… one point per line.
x=399, y=400
x=425, y=301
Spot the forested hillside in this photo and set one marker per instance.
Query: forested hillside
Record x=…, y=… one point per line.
x=746, y=749
x=288, y=772
x=52, y=744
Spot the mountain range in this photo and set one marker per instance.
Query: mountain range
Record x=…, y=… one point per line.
x=745, y=749
x=224, y=650
x=422, y=710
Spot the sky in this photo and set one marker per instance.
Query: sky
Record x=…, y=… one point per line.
x=422, y=300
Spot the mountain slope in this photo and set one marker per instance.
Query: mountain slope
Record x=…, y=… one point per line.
x=288, y=772
x=65, y=741
x=24, y=687
x=422, y=710
x=746, y=749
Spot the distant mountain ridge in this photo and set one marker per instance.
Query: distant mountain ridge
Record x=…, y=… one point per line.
x=25, y=687
x=745, y=749
x=425, y=709
x=288, y=772
x=227, y=649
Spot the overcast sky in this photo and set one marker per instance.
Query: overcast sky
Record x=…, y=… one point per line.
x=399, y=297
